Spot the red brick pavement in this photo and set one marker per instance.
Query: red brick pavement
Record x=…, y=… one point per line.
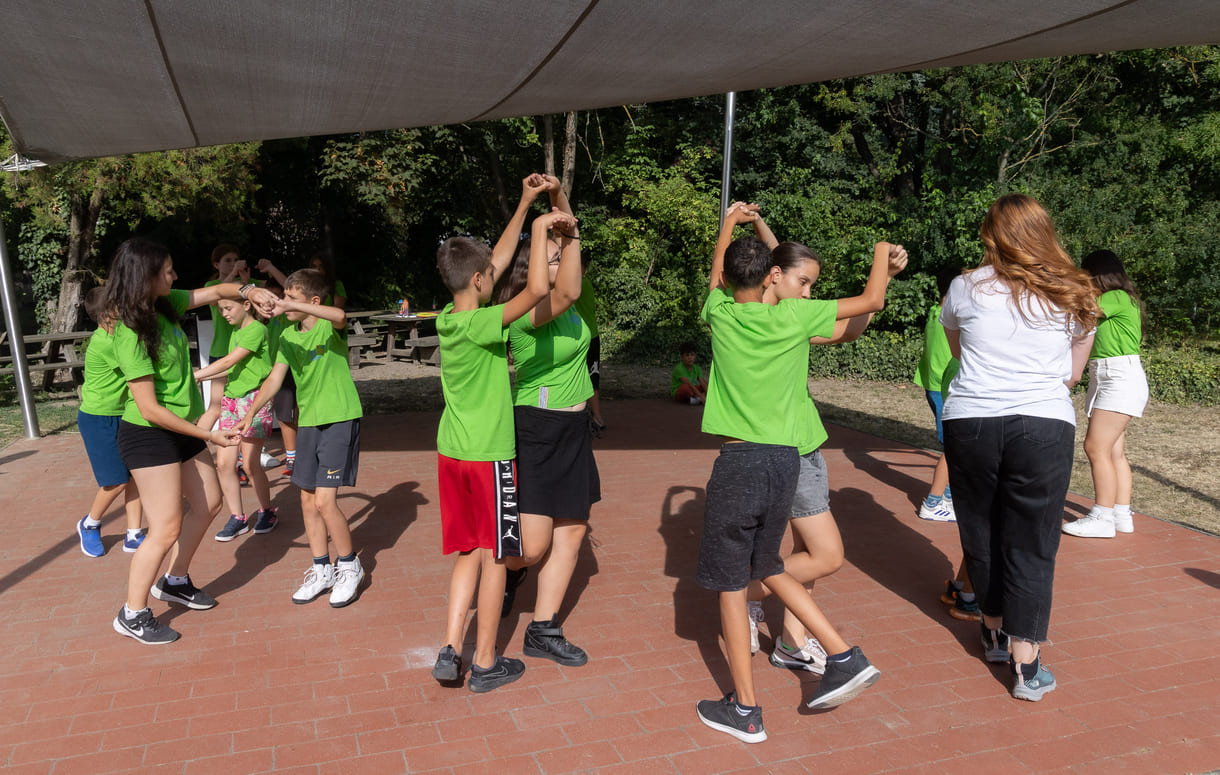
x=260, y=685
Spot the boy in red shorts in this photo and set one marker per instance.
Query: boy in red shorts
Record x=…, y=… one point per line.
x=476, y=447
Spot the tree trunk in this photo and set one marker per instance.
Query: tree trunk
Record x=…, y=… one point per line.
x=548, y=145
x=569, y=154
x=78, y=266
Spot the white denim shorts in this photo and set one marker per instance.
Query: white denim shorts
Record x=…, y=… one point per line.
x=1118, y=385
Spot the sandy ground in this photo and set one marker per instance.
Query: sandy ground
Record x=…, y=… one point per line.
x=1171, y=448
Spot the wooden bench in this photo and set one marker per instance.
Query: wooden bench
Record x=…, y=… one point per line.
x=59, y=351
x=425, y=349
x=356, y=346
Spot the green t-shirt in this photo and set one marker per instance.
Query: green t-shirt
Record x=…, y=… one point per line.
x=758, y=383
x=937, y=364
x=105, y=391
x=247, y=375
x=586, y=306
x=318, y=360
x=551, y=368
x=221, y=328
x=275, y=327
x=694, y=374
x=1119, y=332
x=173, y=379
x=478, y=420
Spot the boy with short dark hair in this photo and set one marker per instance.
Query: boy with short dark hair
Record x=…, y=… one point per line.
x=687, y=385
x=758, y=377
x=328, y=444
x=476, y=446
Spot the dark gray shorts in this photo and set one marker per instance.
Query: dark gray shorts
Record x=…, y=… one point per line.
x=812, y=487
x=749, y=500
x=327, y=455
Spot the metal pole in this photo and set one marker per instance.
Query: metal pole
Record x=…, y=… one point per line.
x=29, y=415
x=730, y=100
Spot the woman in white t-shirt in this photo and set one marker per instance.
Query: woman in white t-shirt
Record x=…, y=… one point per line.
x=1022, y=326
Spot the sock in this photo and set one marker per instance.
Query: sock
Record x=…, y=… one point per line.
x=966, y=597
x=90, y=522
x=743, y=710
x=290, y=454
x=780, y=643
x=241, y=517
x=1103, y=512
x=932, y=501
x=133, y=534
x=324, y=560
x=1122, y=509
x=958, y=585
x=1030, y=670
x=238, y=458
x=346, y=558
x=948, y=495
x=841, y=657
x=176, y=581
x=129, y=614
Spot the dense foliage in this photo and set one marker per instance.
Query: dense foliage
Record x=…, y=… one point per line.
x=1123, y=148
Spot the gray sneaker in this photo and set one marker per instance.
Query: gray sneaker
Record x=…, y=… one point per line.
x=448, y=667
x=722, y=715
x=144, y=628
x=995, y=644
x=844, y=680
x=1030, y=682
x=183, y=594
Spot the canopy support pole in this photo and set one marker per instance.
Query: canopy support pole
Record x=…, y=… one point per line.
x=730, y=100
x=12, y=322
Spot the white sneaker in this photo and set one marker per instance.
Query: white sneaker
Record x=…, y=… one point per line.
x=755, y=610
x=941, y=512
x=348, y=576
x=1123, y=522
x=269, y=461
x=1092, y=526
x=318, y=579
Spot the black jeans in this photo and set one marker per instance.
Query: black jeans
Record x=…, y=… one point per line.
x=1009, y=477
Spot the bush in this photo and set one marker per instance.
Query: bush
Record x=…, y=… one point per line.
x=880, y=356
x=1183, y=375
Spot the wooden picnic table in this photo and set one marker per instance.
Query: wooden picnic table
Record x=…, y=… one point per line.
x=59, y=351
x=426, y=349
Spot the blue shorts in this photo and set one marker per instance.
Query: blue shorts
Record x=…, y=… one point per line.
x=812, y=487
x=936, y=400
x=101, y=436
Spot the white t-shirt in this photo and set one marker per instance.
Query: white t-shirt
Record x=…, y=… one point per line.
x=1009, y=365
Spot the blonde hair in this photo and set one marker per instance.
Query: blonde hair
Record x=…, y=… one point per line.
x=1021, y=245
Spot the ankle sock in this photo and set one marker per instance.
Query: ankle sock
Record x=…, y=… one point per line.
x=290, y=454
x=743, y=710
x=346, y=558
x=1102, y=512
x=324, y=560
x=1122, y=509
x=948, y=495
x=90, y=522
x=176, y=581
x=932, y=501
x=966, y=597
x=133, y=534
x=129, y=614
x=840, y=657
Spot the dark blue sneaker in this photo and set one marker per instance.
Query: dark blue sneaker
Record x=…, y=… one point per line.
x=90, y=538
x=1030, y=682
x=183, y=594
x=723, y=715
x=504, y=671
x=233, y=528
x=265, y=521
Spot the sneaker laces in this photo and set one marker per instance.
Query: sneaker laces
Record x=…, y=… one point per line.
x=814, y=649
x=343, y=572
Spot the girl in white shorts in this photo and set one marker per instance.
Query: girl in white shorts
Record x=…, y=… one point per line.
x=1118, y=391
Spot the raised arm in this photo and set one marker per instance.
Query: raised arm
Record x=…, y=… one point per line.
x=846, y=330
x=764, y=233
x=221, y=365
x=214, y=293
x=567, y=279
x=559, y=197
x=738, y=213
x=266, y=267
x=506, y=247
x=888, y=261
x=538, y=282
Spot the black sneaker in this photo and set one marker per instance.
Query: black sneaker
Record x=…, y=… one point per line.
x=145, y=628
x=265, y=521
x=512, y=580
x=844, y=680
x=448, y=667
x=545, y=639
x=183, y=594
x=504, y=671
x=995, y=644
x=723, y=715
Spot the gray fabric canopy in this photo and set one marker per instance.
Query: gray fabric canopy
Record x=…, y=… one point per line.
x=108, y=77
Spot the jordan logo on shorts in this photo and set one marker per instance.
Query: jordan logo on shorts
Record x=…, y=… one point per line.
x=508, y=532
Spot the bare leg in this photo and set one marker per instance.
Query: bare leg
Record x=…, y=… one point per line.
x=103, y=500
x=491, y=596
x=736, y=629
x=315, y=528
x=1122, y=470
x=798, y=601
x=161, y=491
x=226, y=474
x=536, y=532
x=132, y=505
x=556, y=572
x=462, y=585
x=817, y=553
x=940, y=477
x=334, y=521
x=1105, y=431
x=202, y=491
x=252, y=452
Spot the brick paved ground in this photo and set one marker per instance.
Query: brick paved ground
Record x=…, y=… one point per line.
x=259, y=684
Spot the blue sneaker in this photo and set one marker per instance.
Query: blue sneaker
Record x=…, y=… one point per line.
x=90, y=539
x=235, y=527
x=1030, y=682
x=131, y=544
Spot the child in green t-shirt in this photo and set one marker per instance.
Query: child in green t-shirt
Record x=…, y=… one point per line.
x=328, y=442
x=103, y=396
x=476, y=447
x=227, y=267
x=687, y=385
x=246, y=366
x=756, y=401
